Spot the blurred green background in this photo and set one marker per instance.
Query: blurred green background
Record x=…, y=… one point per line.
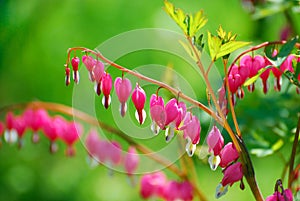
x=34, y=38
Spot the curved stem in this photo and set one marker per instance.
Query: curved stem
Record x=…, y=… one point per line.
x=230, y=99
x=56, y=107
x=150, y=80
x=293, y=154
x=248, y=169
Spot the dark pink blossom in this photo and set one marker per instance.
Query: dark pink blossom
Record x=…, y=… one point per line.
x=178, y=191
x=191, y=131
x=228, y=155
x=72, y=132
x=138, y=98
x=232, y=174
x=253, y=64
x=152, y=185
x=67, y=77
x=157, y=112
x=106, y=86
x=277, y=196
x=10, y=134
x=96, y=75
x=75, y=63
x=89, y=63
x=123, y=89
x=215, y=141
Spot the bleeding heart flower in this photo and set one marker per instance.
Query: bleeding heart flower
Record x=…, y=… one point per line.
x=131, y=161
x=89, y=63
x=157, y=112
x=123, y=89
x=138, y=98
x=75, y=63
x=106, y=86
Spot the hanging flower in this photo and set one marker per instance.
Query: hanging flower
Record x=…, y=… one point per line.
x=191, y=132
x=89, y=63
x=75, y=63
x=138, y=98
x=215, y=143
x=97, y=74
x=123, y=89
x=106, y=86
x=157, y=112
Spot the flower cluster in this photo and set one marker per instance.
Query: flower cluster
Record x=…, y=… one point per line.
x=226, y=158
x=171, y=117
x=110, y=153
x=156, y=185
x=249, y=67
x=54, y=128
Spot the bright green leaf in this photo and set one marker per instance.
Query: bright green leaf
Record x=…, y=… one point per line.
x=214, y=45
x=197, y=22
x=277, y=145
x=230, y=47
x=262, y=152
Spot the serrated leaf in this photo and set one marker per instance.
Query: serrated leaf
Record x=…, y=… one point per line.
x=188, y=50
x=196, y=23
x=230, y=47
x=254, y=78
x=277, y=145
x=177, y=15
x=214, y=45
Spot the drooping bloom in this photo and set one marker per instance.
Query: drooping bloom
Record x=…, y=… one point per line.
x=67, y=77
x=157, y=112
x=72, y=132
x=215, y=142
x=232, y=174
x=172, y=112
x=35, y=119
x=228, y=155
x=253, y=64
x=97, y=73
x=10, y=134
x=286, y=195
x=138, y=98
x=181, y=114
x=191, y=131
x=106, y=86
x=178, y=191
x=52, y=128
x=123, y=89
x=113, y=152
x=20, y=126
x=131, y=161
x=75, y=63
x=152, y=185
x=89, y=63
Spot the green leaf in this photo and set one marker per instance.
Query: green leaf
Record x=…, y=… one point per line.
x=254, y=78
x=283, y=53
x=230, y=47
x=262, y=152
x=214, y=45
x=177, y=15
x=196, y=23
x=277, y=145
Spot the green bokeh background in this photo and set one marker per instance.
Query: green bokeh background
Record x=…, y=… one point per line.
x=34, y=37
